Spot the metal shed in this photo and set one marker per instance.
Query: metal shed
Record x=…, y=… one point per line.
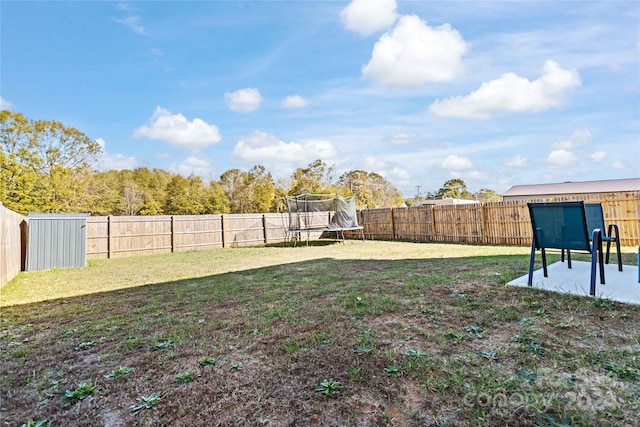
x=56, y=241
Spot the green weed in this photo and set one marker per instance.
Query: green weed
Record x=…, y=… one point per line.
x=622, y=372
x=163, y=345
x=81, y=392
x=209, y=361
x=119, y=372
x=185, y=377
x=328, y=387
x=357, y=372
x=39, y=423
x=147, y=402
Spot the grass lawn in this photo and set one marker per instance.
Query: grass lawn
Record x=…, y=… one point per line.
x=353, y=334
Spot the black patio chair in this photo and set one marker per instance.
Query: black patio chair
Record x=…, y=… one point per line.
x=595, y=219
x=563, y=226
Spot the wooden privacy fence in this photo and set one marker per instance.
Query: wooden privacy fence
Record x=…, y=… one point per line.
x=12, y=244
x=121, y=236
x=497, y=223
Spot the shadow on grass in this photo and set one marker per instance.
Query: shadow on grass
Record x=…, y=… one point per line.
x=315, y=242
x=409, y=340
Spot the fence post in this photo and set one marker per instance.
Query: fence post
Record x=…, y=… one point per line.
x=433, y=222
x=222, y=228
x=24, y=241
x=109, y=236
x=173, y=233
x=393, y=226
x=483, y=224
x=363, y=222
x=264, y=227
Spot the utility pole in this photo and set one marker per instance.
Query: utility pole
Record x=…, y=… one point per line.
x=418, y=190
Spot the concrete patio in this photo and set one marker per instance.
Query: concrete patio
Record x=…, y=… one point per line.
x=619, y=286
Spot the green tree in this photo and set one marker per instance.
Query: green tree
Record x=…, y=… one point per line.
x=20, y=189
x=249, y=192
x=314, y=179
x=185, y=196
x=102, y=193
x=370, y=189
x=262, y=189
x=454, y=189
x=153, y=185
x=131, y=198
x=217, y=201
x=234, y=183
x=280, y=198
x=44, y=163
x=487, y=195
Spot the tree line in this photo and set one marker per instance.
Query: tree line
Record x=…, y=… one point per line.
x=46, y=166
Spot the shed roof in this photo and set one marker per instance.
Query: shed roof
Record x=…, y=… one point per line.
x=604, y=186
x=58, y=215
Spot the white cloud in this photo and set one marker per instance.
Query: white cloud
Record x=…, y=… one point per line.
x=4, y=104
x=387, y=169
x=108, y=161
x=598, y=156
x=133, y=22
x=578, y=137
x=368, y=16
x=402, y=138
x=456, y=162
x=243, y=100
x=517, y=161
x=374, y=164
x=265, y=147
x=476, y=174
x=512, y=93
x=561, y=158
x=397, y=174
x=176, y=130
x=194, y=166
x=118, y=162
x=415, y=53
x=617, y=165
x=294, y=101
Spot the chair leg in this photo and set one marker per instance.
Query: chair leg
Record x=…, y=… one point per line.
x=532, y=258
x=592, y=283
x=596, y=257
x=544, y=262
x=613, y=231
x=601, y=263
x=569, y=258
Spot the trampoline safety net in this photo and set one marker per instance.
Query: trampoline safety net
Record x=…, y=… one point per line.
x=321, y=211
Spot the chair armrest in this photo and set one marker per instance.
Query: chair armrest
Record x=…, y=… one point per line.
x=613, y=227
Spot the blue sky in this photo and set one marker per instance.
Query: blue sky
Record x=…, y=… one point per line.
x=496, y=93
